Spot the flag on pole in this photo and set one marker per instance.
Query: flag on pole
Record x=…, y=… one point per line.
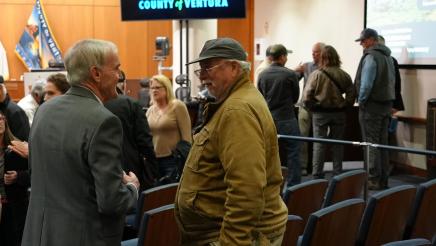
x=4, y=69
x=37, y=46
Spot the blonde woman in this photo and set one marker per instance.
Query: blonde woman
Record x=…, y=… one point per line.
x=169, y=122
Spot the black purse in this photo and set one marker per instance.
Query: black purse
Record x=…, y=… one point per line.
x=180, y=154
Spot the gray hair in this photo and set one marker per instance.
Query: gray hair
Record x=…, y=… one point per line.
x=245, y=65
x=37, y=88
x=85, y=54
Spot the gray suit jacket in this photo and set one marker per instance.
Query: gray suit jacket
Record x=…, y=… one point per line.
x=77, y=196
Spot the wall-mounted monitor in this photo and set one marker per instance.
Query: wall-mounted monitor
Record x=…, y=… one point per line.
x=408, y=27
x=135, y=10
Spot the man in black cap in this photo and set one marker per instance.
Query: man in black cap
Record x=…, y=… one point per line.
x=15, y=116
x=375, y=85
x=229, y=193
x=279, y=86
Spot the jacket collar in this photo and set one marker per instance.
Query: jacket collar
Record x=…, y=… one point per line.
x=276, y=64
x=82, y=92
x=212, y=107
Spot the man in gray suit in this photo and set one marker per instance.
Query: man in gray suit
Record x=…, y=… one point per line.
x=79, y=192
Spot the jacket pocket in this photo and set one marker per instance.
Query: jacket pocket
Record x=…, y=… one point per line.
x=193, y=218
x=200, y=141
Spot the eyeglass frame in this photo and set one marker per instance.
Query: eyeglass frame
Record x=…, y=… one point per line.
x=156, y=88
x=198, y=72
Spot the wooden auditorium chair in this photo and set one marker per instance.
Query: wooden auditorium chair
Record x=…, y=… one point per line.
x=422, y=221
x=158, y=228
x=410, y=242
x=150, y=199
x=385, y=216
x=345, y=186
x=305, y=198
x=335, y=225
x=294, y=228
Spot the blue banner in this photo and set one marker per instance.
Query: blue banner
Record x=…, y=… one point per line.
x=37, y=46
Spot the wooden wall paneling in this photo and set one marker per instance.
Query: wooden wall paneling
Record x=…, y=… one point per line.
x=107, y=2
x=108, y=26
x=73, y=20
x=134, y=55
x=137, y=47
x=135, y=40
x=12, y=23
x=15, y=89
x=241, y=30
x=17, y=2
x=67, y=2
x=70, y=24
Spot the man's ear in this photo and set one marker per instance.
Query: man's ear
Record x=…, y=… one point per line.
x=235, y=68
x=95, y=73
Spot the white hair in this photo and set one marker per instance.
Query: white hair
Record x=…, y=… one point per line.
x=245, y=65
x=85, y=54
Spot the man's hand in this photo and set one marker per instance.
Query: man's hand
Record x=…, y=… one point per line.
x=10, y=177
x=131, y=178
x=299, y=68
x=21, y=148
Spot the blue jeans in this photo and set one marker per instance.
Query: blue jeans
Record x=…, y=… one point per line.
x=290, y=150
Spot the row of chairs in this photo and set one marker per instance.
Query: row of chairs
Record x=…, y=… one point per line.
x=151, y=199
x=418, y=222
x=158, y=228
x=386, y=218
x=154, y=221
x=308, y=197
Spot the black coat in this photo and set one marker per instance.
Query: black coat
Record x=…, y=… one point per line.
x=17, y=119
x=14, y=211
x=279, y=86
x=17, y=191
x=398, y=102
x=137, y=140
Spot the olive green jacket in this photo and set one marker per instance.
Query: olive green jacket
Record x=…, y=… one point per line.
x=230, y=187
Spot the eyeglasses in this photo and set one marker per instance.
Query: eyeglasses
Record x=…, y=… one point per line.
x=156, y=87
x=198, y=72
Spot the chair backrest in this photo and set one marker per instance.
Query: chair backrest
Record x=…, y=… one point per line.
x=183, y=93
x=385, y=216
x=345, y=186
x=153, y=198
x=414, y=242
x=422, y=221
x=159, y=228
x=334, y=225
x=294, y=228
x=305, y=198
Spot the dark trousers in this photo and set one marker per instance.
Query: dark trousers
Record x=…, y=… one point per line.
x=374, y=121
x=290, y=150
x=13, y=218
x=331, y=126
